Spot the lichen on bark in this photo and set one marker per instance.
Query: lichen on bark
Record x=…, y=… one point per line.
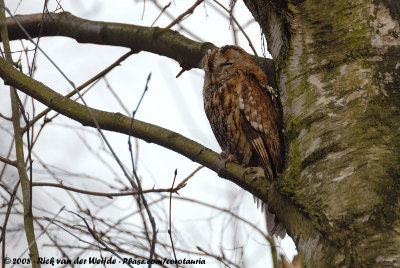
x=339, y=81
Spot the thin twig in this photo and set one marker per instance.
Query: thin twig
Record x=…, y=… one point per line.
x=268, y=238
x=77, y=237
x=3, y=230
x=43, y=231
x=8, y=161
x=218, y=258
x=80, y=96
x=240, y=27
x=38, y=40
x=159, y=15
x=182, y=28
x=218, y=10
x=144, y=201
x=138, y=202
x=234, y=32
x=144, y=7
x=187, y=12
x=53, y=240
x=141, y=98
x=183, y=183
x=170, y=219
x=47, y=120
x=248, y=23
x=109, y=195
x=84, y=85
x=8, y=155
x=94, y=235
x=116, y=96
x=5, y=117
x=19, y=51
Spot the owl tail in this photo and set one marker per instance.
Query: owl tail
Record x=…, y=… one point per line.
x=274, y=227
x=259, y=203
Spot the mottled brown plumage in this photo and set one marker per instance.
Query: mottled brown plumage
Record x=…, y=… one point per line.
x=243, y=111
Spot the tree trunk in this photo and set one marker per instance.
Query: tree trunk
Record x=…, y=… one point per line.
x=338, y=70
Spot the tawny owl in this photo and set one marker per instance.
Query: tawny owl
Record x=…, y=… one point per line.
x=244, y=114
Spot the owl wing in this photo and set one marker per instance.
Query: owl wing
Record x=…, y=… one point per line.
x=261, y=122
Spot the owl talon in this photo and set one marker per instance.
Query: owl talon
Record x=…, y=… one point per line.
x=245, y=115
x=228, y=158
x=257, y=171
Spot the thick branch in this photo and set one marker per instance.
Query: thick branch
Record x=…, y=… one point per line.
x=160, y=41
x=119, y=123
x=164, y=42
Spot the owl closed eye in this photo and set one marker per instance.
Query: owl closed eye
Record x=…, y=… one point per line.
x=243, y=110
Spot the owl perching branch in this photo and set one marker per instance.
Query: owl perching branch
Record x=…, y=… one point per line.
x=188, y=54
x=150, y=133
x=165, y=42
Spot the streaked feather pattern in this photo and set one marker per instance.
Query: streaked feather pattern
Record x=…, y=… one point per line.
x=244, y=112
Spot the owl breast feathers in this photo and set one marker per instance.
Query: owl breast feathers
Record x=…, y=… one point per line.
x=243, y=109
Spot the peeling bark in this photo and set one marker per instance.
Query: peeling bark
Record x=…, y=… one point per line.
x=338, y=67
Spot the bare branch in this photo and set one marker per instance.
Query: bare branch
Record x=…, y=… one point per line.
x=156, y=40
x=181, y=27
x=240, y=27
x=87, y=83
x=183, y=183
x=100, y=131
x=3, y=230
x=43, y=231
x=162, y=11
x=170, y=219
x=139, y=186
x=187, y=12
x=19, y=147
x=94, y=235
x=8, y=161
x=5, y=117
x=8, y=155
x=117, y=122
x=218, y=258
x=109, y=195
x=165, y=42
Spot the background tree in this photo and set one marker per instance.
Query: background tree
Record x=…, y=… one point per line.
x=336, y=67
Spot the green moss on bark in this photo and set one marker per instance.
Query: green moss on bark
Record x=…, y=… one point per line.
x=342, y=103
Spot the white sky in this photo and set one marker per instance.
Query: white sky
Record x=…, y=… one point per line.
x=175, y=104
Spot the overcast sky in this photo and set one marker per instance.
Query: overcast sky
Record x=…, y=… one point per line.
x=175, y=104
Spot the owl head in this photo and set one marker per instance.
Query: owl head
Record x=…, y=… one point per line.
x=225, y=62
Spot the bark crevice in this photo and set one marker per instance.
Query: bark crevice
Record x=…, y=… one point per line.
x=338, y=74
